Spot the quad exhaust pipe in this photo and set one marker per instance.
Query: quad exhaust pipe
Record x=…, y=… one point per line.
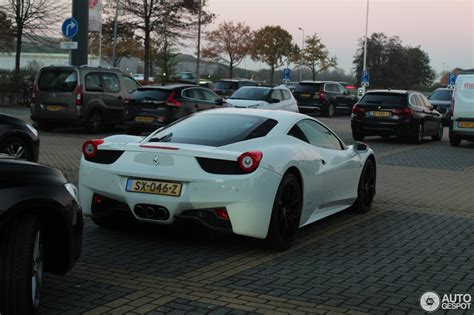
x=151, y=212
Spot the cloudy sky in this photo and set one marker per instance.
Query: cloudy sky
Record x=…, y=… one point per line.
x=444, y=29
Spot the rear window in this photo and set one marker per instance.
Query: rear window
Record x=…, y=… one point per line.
x=384, y=99
x=57, y=80
x=215, y=129
x=226, y=85
x=308, y=88
x=250, y=93
x=150, y=94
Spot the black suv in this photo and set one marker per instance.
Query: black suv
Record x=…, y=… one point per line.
x=154, y=106
x=325, y=97
x=406, y=114
x=40, y=230
x=227, y=87
x=88, y=96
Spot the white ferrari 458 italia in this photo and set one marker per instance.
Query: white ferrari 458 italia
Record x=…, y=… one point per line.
x=258, y=173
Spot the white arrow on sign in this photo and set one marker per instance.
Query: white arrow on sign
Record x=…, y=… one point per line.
x=70, y=26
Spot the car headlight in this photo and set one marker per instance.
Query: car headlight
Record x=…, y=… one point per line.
x=72, y=190
x=32, y=129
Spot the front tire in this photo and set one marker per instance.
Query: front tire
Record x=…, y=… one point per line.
x=439, y=135
x=21, y=265
x=286, y=212
x=366, y=188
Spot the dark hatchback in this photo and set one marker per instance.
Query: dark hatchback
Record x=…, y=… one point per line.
x=155, y=106
x=18, y=139
x=325, y=97
x=406, y=114
x=41, y=229
x=227, y=87
x=441, y=101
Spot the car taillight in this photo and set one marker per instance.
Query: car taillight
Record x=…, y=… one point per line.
x=321, y=94
x=171, y=101
x=358, y=110
x=451, y=107
x=34, y=89
x=89, y=148
x=127, y=100
x=222, y=213
x=405, y=111
x=79, y=93
x=249, y=161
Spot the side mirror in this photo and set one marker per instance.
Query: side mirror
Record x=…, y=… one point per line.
x=219, y=101
x=274, y=100
x=360, y=147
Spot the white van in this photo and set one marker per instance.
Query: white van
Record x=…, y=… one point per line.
x=462, y=110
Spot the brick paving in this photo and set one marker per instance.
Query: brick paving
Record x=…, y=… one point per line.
x=418, y=237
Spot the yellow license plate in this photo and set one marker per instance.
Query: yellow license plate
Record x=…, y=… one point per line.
x=144, y=119
x=305, y=95
x=466, y=124
x=154, y=187
x=380, y=114
x=54, y=108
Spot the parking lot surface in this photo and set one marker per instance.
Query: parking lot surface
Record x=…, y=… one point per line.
x=418, y=237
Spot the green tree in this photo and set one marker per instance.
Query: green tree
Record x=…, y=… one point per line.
x=316, y=56
x=230, y=43
x=393, y=65
x=273, y=46
x=6, y=32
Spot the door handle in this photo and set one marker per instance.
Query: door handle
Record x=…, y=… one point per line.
x=323, y=162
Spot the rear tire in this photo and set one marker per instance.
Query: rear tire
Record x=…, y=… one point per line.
x=95, y=122
x=454, y=140
x=439, y=135
x=366, y=188
x=284, y=222
x=21, y=265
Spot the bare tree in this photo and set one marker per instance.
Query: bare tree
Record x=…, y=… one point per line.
x=30, y=18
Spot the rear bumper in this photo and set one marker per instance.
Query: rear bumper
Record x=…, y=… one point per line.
x=375, y=128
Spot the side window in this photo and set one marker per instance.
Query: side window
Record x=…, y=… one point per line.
x=425, y=101
x=193, y=94
x=93, y=83
x=130, y=84
x=209, y=95
x=111, y=82
x=329, y=88
x=319, y=136
x=414, y=100
x=276, y=94
x=341, y=89
x=286, y=95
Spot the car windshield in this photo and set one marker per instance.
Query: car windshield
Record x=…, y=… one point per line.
x=217, y=129
x=384, y=99
x=226, y=85
x=186, y=75
x=441, y=95
x=150, y=94
x=57, y=80
x=308, y=87
x=253, y=94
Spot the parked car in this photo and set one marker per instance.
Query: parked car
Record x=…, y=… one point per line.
x=18, y=138
x=88, y=96
x=186, y=77
x=257, y=173
x=154, y=106
x=351, y=88
x=40, y=230
x=441, y=101
x=227, y=87
x=406, y=114
x=262, y=97
x=325, y=97
x=461, y=126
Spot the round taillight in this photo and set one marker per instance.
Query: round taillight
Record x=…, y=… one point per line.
x=89, y=148
x=249, y=161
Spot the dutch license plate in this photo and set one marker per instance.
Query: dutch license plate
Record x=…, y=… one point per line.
x=54, y=108
x=144, y=119
x=154, y=187
x=466, y=124
x=380, y=114
x=305, y=95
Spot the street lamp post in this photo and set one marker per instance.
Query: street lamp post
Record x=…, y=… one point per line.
x=301, y=57
x=365, y=42
x=198, y=59
x=114, y=46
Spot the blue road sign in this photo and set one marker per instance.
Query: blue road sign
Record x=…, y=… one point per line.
x=286, y=74
x=70, y=27
x=365, y=78
x=451, y=79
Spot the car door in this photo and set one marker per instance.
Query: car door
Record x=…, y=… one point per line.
x=341, y=165
x=346, y=98
x=427, y=114
x=288, y=103
x=434, y=116
x=339, y=97
x=276, y=100
x=93, y=92
x=210, y=99
x=193, y=99
x=113, y=97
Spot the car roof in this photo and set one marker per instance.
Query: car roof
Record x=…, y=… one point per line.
x=391, y=91
x=280, y=115
x=82, y=68
x=171, y=86
x=235, y=80
x=318, y=82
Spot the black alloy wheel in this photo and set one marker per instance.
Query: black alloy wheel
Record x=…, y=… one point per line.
x=418, y=136
x=17, y=147
x=331, y=110
x=366, y=188
x=439, y=134
x=286, y=213
x=95, y=122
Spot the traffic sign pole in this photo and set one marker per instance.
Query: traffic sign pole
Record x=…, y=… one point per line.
x=80, y=12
